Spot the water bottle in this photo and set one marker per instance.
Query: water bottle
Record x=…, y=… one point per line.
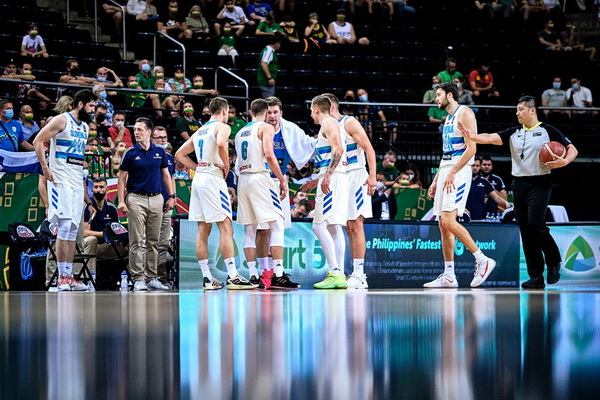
x=124, y=282
x=91, y=282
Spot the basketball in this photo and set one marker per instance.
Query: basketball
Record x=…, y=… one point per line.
x=550, y=151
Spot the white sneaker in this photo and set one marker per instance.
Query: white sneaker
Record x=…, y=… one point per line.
x=483, y=270
x=139, y=286
x=357, y=281
x=77, y=286
x=442, y=281
x=155, y=284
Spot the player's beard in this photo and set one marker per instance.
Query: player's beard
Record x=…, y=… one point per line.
x=83, y=116
x=444, y=104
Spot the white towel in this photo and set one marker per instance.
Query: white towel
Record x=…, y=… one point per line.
x=298, y=144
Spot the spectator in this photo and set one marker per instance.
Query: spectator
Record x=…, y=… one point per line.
x=118, y=131
x=387, y=168
x=480, y=191
x=73, y=77
x=383, y=201
x=268, y=68
x=172, y=22
x=198, y=25
x=234, y=14
x=228, y=39
x=465, y=96
x=258, y=11
x=142, y=10
x=198, y=87
x=315, y=34
x=102, y=77
x=343, y=32
x=234, y=122
x=481, y=82
x=145, y=78
x=159, y=73
x=414, y=176
x=179, y=83
x=134, y=99
x=555, y=97
x=346, y=109
x=579, y=96
x=102, y=99
x=487, y=165
x=99, y=120
x=570, y=38
x=450, y=73
x=301, y=209
x=380, y=4
x=11, y=133
x=24, y=90
x=116, y=14
x=369, y=114
x=303, y=175
x=94, y=223
x=205, y=114
x=33, y=44
x=268, y=27
x=536, y=7
x=93, y=133
x=400, y=8
x=550, y=39
x=289, y=28
x=429, y=95
x=28, y=124
x=188, y=124
x=163, y=104
x=117, y=156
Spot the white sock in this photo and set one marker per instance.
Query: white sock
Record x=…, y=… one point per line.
x=271, y=262
x=205, y=269
x=449, y=268
x=69, y=268
x=479, y=256
x=252, y=268
x=278, y=268
x=359, y=264
x=337, y=272
x=231, y=269
x=62, y=268
x=263, y=263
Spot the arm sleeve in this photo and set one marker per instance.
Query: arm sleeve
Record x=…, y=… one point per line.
x=556, y=135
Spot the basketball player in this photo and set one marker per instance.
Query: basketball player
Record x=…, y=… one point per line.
x=331, y=211
x=209, y=200
x=67, y=134
x=361, y=185
x=258, y=197
x=454, y=176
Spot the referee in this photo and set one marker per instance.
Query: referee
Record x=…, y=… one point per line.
x=532, y=186
x=144, y=170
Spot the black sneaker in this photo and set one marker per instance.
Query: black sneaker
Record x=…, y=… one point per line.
x=238, y=283
x=553, y=274
x=207, y=284
x=255, y=281
x=534, y=283
x=283, y=282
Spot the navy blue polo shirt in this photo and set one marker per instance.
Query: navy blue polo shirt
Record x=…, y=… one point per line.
x=476, y=201
x=144, y=168
x=171, y=167
x=104, y=216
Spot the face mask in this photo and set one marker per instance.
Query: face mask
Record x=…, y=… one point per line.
x=341, y=17
x=121, y=151
x=575, y=86
x=349, y=98
x=204, y=118
x=198, y=85
x=100, y=118
x=99, y=196
x=93, y=133
x=160, y=75
x=195, y=14
x=458, y=85
x=188, y=111
x=119, y=123
x=173, y=10
x=230, y=8
x=556, y=85
x=550, y=26
x=363, y=98
x=103, y=95
x=74, y=70
x=91, y=116
x=146, y=68
x=33, y=33
x=101, y=79
x=434, y=85
x=162, y=145
x=160, y=89
x=85, y=173
x=134, y=85
x=227, y=31
x=411, y=176
x=28, y=116
x=380, y=185
x=179, y=75
x=26, y=72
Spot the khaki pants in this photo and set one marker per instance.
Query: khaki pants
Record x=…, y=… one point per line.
x=144, y=220
x=102, y=251
x=163, y=246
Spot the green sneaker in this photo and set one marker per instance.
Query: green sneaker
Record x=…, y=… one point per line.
x=332, y=282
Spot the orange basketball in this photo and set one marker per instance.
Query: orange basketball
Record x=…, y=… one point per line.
x=550, y=151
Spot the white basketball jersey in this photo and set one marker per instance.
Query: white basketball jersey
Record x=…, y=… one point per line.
x=453, y=142
x=207, y=150
x=67, y=150
x=323, y=153
x=355, y=155
x=250, y=153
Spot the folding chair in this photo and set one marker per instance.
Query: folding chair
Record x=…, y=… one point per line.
x=49, y=232
x=25, y=243
x=117, y=236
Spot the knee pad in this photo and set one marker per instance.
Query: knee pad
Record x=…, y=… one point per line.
x=276, y=237
x=250, y=236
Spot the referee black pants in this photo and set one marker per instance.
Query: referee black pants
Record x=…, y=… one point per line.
x=531, y=198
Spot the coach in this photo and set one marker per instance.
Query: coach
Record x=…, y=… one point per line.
x=144, y=170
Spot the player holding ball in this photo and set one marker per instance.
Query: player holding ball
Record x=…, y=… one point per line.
x=532, y=186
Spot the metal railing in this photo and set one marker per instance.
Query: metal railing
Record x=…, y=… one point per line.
x=239, y=78
x=183, y=64
x=124, y=33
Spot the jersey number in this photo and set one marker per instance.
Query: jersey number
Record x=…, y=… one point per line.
x=200, y=145
x=244, y=150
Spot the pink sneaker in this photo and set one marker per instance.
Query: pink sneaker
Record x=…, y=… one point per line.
x=266, y=277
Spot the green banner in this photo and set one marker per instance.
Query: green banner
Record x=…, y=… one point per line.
x=412, y=204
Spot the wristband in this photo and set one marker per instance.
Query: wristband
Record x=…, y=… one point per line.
x=173, y=196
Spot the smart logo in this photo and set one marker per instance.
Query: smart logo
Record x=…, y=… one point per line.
x=579, y=256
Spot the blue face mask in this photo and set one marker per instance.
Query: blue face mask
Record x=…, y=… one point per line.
x=575, y=86
x=363, y=97
x=556, y=85
x=103, y=95
x=101, y=79
x=146, y=68
x=9, y=113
